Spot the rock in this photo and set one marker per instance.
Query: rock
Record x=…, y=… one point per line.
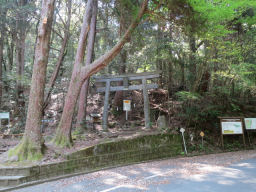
x=161, y=122
x=13, y=158
x=4, y=157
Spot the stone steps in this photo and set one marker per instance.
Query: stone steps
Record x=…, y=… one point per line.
x=10, y=177
x=9, y=181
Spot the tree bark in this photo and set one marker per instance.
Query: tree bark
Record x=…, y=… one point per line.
x=80, y=74
x=192, y=63
x=10, y=51
x=124, y=17
x=21, y=27
x=31, y=145
x=2, y=34
x=61, y=55
x=63, y=135
x=81, y=115
x=1, y=64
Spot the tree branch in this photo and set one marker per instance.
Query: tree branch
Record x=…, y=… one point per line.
x=104, y=60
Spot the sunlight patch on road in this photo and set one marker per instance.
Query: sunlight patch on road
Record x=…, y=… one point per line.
x=124, y=186
x=77, y=186
x=226, y=182
x=247, y=165
x=250, y=181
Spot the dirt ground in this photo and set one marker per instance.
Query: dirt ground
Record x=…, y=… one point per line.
x=89, y=138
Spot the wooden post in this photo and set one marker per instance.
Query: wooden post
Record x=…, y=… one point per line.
x=243, y=126
x=146, y=103
x=222, y=139
x=105, y=111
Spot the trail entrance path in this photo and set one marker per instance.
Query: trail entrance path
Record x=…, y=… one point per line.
x=235, y=172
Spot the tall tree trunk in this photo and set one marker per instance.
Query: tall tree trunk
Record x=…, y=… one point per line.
x=61, y=55
x=1, y=64
x=124, y=16
x=2, y=34
x=81, y=74
x=192, y=63
x=20, y=63
x=10, y=51
x=21, y=27
x=81, y=115
x=31, y=144
x=205, y=80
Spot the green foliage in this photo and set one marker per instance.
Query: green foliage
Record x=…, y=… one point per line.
x=188, y=96
x=218, y=13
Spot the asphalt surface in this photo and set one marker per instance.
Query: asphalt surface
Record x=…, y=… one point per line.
x=198, y=174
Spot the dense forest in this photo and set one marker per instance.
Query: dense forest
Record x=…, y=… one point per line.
x=51, y=50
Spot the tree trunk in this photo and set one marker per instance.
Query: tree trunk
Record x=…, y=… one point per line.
x=63, y=135
x=81, y=115
x=205, y=80
x=61, y=56
x=10, y=51
x=1, y=64
x=21, y=27
x=124, y=16
x=2, y=34
x=81, y=74
x=31, y=144
x=20, y=63
x=192, y=62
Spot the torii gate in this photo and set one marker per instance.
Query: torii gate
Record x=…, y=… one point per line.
x=126, y=78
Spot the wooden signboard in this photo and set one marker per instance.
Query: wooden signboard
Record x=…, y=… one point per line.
x=250, y=126
x=5, y=115
x=250, y=123
x=127, y=105
x=231, y=126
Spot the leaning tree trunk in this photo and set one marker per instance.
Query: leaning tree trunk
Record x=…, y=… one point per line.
x=81, y=115
x=31, y=144
x=63, y=135
x=81, y=74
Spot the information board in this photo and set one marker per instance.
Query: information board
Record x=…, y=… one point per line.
x=5, y=115
x=127, y=105
x=231, y=126
x=250, y=123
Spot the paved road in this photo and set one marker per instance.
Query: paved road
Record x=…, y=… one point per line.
x=230, y=172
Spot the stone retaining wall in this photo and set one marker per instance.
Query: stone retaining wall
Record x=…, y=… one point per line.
x=109, y=154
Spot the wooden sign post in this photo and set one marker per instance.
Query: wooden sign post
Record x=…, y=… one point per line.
x=231, y=126
x=126, y=107
x=202, y=135
x=5, y=115
x=250, y=126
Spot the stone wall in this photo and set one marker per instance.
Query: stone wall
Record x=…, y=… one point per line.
x=107, y=155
